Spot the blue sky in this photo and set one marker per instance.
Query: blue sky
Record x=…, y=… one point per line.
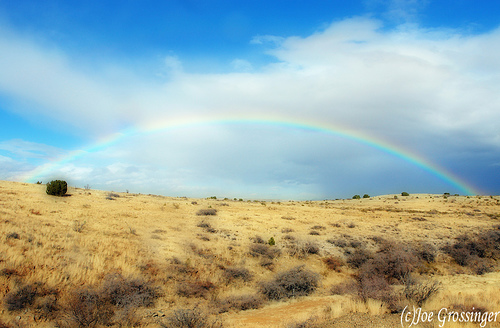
x=85, y=89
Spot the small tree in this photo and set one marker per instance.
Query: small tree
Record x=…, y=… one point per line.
x=356, y=197
x=366, y=196
x=57, y=188
x=404, y=193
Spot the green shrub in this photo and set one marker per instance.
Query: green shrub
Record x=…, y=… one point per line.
x=356, y=197
x=57, y=188
x=404, y=193
x=366, y=196
x=271, y=241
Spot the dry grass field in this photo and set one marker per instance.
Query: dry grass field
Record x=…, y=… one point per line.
x=96, y=258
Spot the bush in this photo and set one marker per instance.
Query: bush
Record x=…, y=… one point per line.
x=404, y=193
x=233, y=273
x=264, y=250
x=86, y=308
x=207, y=211
x=303, y=249
x=292, y=283
x=357, y=258
x=271, y=241
x=349, y=287
x=419, y=291
x=333, y=263
x=57, y=188
x=19, y=299
x=427, y=252
x=194, y=288
x=122, y=292
x=366, y=196
x=189, y=318
x=240, y=303
x=393, y=261
x=356, y=197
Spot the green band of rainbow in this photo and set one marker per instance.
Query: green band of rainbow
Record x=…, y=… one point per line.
x=326, y=128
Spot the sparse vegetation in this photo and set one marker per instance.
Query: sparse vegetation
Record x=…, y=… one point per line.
x=83, y=261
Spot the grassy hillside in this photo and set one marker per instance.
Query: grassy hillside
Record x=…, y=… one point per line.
x=96, y=258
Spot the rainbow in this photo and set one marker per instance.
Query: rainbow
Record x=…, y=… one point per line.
x=193, y=122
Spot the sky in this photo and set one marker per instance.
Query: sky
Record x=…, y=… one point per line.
x=252, y=99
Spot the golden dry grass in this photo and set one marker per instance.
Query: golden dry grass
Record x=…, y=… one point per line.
x=64, y=243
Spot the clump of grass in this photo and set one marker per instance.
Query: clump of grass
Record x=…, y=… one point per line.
x=287, y=217
x=295, y=282
x=78, y=225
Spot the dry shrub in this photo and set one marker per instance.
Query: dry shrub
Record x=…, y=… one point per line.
x=314, y=233
x=194, y=288
x=333, y=263
x=349, y=287
x=292, y=283
x=264, y=250
x=20, y=298
x=287, y=230
x=232, y=273
x=114, y=301
x=258, y=240
x=419, y=291
x=6, y=272
x=122, y=292
x=189, y=318
x=312, y=322
x=87, y=308
x=206, y=226
x=240, y=303
x=46, y=307
x=207, y=211
x=303, y=249
x=394, y=261
x=426, y=252
x=476, y=252
x=357, y=258
x=337, y=242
